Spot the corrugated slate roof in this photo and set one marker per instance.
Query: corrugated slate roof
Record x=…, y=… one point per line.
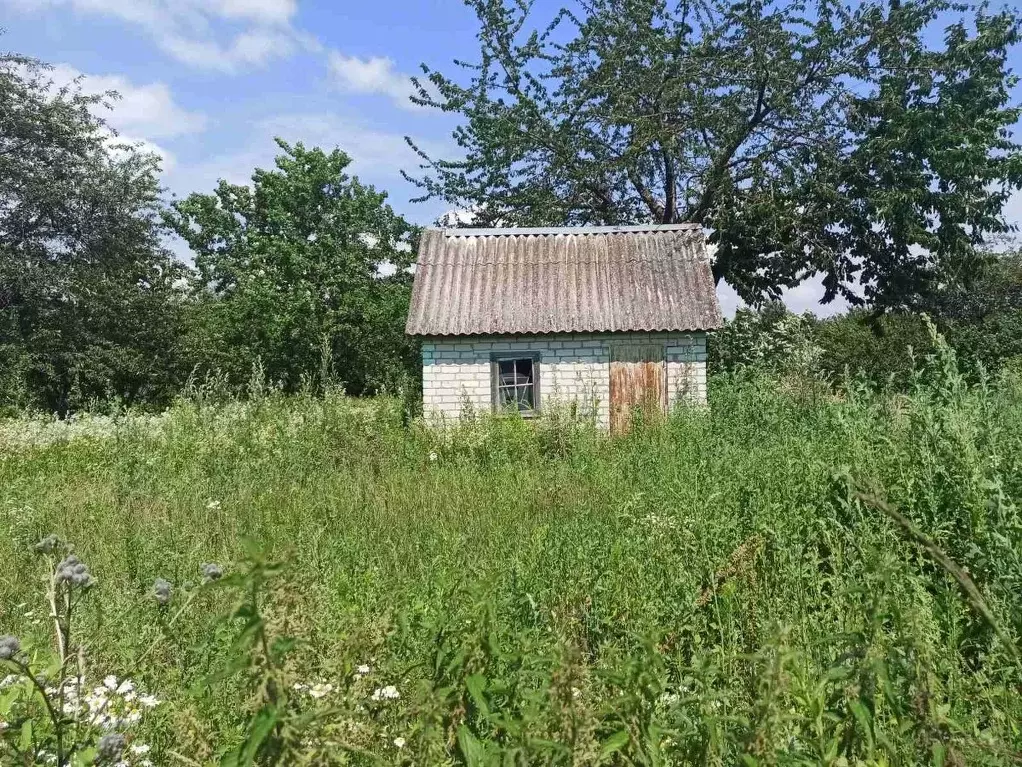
x=562, y=280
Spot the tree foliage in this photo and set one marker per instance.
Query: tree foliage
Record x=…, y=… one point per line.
x=810, y=137
x=289, y=275
x=87, y=303
x=984, y=321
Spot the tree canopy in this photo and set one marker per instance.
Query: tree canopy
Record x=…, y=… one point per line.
x=87, y=302
x=291, y=274
x=870, y=144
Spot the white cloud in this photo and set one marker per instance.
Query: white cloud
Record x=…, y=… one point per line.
x=373, y=75
x=246, y=50
x=147, y=110
x=117, y=144
x=223, y=35
x=805, y=297
x=140, y=114
x=149, y=11
x=378, y=156
x=271, y=11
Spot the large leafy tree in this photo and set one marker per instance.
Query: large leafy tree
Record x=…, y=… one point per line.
x=870, y=144
x=88, y=308
x=305, y=272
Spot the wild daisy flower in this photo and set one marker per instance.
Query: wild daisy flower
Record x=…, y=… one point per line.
x=321, y=690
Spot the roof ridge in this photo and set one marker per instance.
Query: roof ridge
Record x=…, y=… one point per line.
x=461, y=263
x=540, y=231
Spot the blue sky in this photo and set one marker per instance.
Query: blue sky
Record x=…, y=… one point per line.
x=209, y=83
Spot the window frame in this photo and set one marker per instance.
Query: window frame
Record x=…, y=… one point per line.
x=503, y=356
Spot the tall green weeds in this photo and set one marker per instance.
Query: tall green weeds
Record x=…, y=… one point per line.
x=777, y=580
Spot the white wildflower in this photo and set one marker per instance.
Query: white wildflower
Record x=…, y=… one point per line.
x=140, y=748
x=399, y=742
x=321, y=690
x=149, y=701
x=110, y=682
x=212, y=505
x=386, y=693
x=363, y=670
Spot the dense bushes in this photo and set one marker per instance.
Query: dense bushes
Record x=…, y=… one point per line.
x=983, y=323
x=289, y=272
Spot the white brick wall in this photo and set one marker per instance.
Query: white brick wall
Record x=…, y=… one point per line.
x=574, y=368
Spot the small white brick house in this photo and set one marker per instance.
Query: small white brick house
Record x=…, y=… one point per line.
x=600, y=320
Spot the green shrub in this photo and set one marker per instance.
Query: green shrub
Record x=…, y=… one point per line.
x=880, y=349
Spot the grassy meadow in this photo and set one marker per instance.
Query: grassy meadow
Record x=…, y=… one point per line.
x=713, y=590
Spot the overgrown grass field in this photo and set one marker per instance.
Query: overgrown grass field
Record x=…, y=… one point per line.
x=714, y=590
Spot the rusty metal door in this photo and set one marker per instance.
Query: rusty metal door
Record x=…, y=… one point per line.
x=638, y=382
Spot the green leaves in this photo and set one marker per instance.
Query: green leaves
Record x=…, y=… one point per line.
x=472, y=750
x=290, y=276
x=88, y=305
x=809, y=137
x=259, y=728
x=613, y=744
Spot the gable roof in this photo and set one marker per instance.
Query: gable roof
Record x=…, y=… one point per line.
x=563, y=280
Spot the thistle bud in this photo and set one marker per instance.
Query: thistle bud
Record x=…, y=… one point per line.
x=74, y=572
x=48, y=545
x=9, y=647
x=162, y=592
x=111, y=746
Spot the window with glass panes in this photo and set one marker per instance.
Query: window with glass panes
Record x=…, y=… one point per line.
x=516, y=383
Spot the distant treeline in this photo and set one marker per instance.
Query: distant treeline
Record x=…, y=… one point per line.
x=302, y=278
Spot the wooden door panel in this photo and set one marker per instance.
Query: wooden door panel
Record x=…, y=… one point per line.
x=638, y=381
